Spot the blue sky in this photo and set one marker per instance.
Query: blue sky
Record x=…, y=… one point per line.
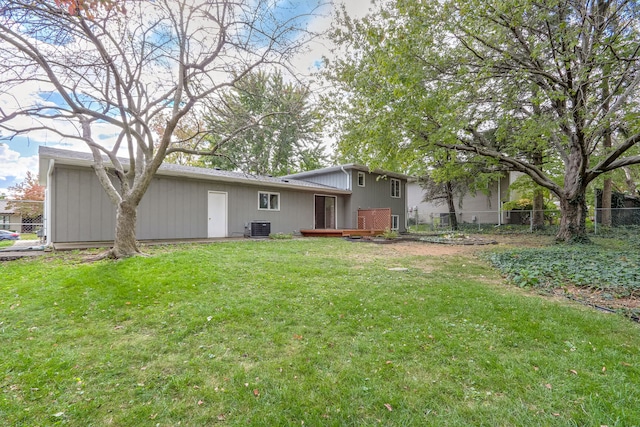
x=20, y=154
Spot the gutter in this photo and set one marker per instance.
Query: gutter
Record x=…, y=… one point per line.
x=47, y=203
x=348, y=177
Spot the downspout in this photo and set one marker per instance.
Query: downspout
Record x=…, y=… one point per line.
x=348, y=188
x=348, y=177
x=47, y=204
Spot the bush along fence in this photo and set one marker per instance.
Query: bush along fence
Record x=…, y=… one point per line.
x=22, y=216
x=600, y=221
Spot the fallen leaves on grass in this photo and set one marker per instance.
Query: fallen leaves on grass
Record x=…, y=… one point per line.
x=389, y=407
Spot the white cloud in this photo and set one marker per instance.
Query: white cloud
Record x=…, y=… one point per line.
x=15, y=167
x=307, y=63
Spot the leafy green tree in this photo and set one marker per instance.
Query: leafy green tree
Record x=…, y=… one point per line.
x=443, y=74
x=288, y=139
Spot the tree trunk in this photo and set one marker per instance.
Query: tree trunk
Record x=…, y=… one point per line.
x=606, y=145
x=538, y=209
x=125, y=244
x=605, y=211
x=538, y=197
x=630, y=181
x=573, y=219
x=453, y=219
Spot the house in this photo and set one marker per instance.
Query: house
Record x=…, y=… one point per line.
x=481, y=208
x=9, y=218
x=373, y=195
x=186, y=202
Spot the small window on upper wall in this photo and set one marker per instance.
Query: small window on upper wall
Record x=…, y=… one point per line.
x=395, y=222
x=268, y=201
x=395, y=188
x=360, y=179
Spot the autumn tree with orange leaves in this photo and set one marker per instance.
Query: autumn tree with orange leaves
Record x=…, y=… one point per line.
x=27, y=197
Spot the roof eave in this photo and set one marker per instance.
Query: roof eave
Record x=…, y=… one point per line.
x=349, y=166
x=285, y=185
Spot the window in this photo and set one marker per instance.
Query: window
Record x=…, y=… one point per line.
x=4, y=222
x=360, y=179
x=395, y=188
x=268, y=201
x=395, y=222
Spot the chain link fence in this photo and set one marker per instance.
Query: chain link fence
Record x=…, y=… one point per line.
x=23, y=216
x=615, y=221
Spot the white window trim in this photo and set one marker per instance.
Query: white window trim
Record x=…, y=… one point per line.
x=395, y=219
x=393, y=181
x=361, y=174
x=269, y=193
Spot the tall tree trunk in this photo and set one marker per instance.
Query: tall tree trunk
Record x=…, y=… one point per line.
x=538, y=209
x=573, y=219
x=606, y=143
x=453, y=219
x=607, y=187
x=125, y=243
x=538, y=197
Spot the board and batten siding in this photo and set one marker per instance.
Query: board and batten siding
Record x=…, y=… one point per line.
x=172, y=208
x=376, y=193
x=80, y=210
x=335, y=179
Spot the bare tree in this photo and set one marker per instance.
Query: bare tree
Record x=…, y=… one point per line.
x=107, y=66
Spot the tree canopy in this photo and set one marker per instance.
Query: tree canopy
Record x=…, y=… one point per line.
x=525, y=84
x=105, y=78
x=287, y=141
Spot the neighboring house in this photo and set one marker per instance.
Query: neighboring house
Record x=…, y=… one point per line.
x=185, y=202
x=625, y=208
x=483, y=208
x=9, y=218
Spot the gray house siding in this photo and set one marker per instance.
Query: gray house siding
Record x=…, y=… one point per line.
x=336, y=179
x=171, y=208
x=376, y=193
x=91, y=220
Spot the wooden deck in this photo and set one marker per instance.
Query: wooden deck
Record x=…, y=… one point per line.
x=330, y=232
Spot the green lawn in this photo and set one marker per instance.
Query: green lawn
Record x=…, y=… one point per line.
x=303, y=332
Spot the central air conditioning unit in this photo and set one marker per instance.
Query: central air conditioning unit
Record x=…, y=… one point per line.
x=260, y=229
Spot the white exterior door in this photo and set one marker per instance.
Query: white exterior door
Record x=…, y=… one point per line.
x=217, y=214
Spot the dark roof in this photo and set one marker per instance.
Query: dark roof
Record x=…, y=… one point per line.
x=349, y=166
x=169, y=169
